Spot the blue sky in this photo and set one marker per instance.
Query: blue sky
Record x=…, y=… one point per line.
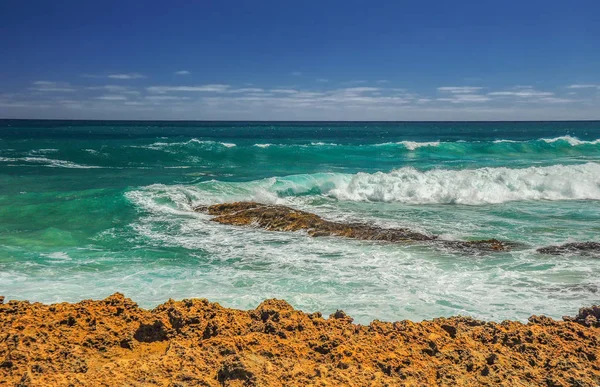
x=300, y=60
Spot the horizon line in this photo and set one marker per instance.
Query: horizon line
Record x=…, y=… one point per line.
x=288, y=121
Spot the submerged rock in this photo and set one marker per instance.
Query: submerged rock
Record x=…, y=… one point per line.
x=283, y=218
x=475, y=246
x=99, y=343
x=572, y=248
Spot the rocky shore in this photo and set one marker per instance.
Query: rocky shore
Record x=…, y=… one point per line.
x=282, y=218
x=194, y=342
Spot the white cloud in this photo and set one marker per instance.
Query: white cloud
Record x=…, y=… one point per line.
x=578, y=86
x=111, y=88
x=525, y=93
x=166, y=98
x=51, y=87
x=284, y=91
x=353, y=102
x=182, y=72
x=322, y=80
x=215, y=88
x=459, y=89
x=465, y=98
x=246, y=90
x=360, y=89
x=127, y=76
x=24, y=105
x=353, y=82
x=555, y=100
x=112, y=98
x=306, y=94
x=115, y=89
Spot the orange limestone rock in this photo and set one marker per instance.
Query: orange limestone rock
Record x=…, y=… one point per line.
x=193, y=342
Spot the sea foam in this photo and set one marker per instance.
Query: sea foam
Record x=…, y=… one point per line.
x=474, y=186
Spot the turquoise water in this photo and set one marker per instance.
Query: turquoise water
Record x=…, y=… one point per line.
x=90, y=208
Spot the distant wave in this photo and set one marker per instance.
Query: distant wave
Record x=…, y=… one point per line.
x=46, y=162
x=412, y=145
x=228, y=144
x=573, y=141
x=42, y=151
x=509, y=141
x=522, y=145
x=194, y=142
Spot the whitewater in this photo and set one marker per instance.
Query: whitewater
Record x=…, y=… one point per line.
x=90, y=208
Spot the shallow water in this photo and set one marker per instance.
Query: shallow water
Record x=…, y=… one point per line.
x=90, y=208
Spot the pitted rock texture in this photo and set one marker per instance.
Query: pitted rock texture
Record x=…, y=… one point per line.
x=283, y=218
x=193, y=342
x=587, y=316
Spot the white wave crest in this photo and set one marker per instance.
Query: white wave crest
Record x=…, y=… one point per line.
x=165, y=146
x=474, y=186
x=58, y=163
x=405, y=185
x=263, y=145
x=46, y=162
x=573, y=141
x=412, y=145
x=42, y=151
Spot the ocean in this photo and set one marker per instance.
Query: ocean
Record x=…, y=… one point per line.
x=89, y=208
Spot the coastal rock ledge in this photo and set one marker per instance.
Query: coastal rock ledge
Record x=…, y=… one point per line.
x=274, y=217
x=194, y=342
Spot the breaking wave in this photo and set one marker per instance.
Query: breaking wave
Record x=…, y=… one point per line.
x=474, y=186
x=407, y=185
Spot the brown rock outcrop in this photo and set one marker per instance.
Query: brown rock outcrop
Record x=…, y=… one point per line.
x=283, y=218
x=572, y=248
x=113, y=342
x=587, y=316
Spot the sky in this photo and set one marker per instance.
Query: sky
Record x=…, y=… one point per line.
x=300, y=60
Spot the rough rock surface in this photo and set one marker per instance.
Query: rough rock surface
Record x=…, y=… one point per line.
x=283, y=218
x=572, y=248
x=193, y=342
x=587, y=316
